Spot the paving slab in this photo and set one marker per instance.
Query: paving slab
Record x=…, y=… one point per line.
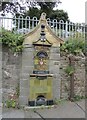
x=82, y=104
x=19, y=113
x=30, y=114
x=66, y=109
x=12, y=113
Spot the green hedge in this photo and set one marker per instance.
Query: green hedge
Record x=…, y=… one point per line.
x=74, y=46
x=12, y=40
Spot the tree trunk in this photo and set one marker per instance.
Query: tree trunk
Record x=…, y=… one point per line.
x=72, y=87
x=71, y=63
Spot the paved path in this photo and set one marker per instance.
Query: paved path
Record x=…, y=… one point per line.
x=64, y=110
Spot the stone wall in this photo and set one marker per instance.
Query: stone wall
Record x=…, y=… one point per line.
x=16, y=70
x=79, y=77
x=65, y=83
x=11, y=65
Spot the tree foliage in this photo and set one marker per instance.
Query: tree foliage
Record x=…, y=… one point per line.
x=12, y=40
x=54, y=14
x=59, y=15
x=20, y=6
x=47, y=7
x=33, y=12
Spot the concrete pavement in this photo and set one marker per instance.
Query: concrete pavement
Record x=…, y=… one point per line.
x=65, y=110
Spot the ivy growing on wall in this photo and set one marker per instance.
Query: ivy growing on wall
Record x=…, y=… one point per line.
x=11, y=40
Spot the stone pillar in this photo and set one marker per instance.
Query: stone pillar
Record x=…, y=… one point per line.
x=54, y=65
x=26, y=70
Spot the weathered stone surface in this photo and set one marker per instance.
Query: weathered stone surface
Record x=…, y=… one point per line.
x=54, y=69
x=56, y=87
x=23, y=100
x=24, y=83
x=17, y=69
x=26, y=70
x=54, y=64
x=24, y=90
x=54, y=56
x=10, y=73
x=79, y=77
x=55, y=50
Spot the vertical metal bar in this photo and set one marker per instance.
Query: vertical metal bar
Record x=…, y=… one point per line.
x=11, y=23
x=32, y=23
x=29, y=23
x=35, y=19
x=56, y=28
x=49, y=21
x=53, y=21
x=81, y=31
x=72, y=30
x=63, y=29
x=69, y=34
x=3, y=21
x=84, y=31
x=18, y=25
x=75, y=31
x=0, y=22
x=15, y=19
x=26, y=22
x=59, y=29
x=22, y=23
x=66, y=29
x=61, y=25
x=78, y=30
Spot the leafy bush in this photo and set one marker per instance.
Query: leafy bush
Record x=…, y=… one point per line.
x=78, y=98
x=12, y=40
x=69, y=70
x=10, y=103
x=74, y=46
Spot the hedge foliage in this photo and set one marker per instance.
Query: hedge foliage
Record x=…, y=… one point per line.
x=74, y=46
x=12, y=40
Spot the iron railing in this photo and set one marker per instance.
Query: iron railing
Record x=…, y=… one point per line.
x=62, y=29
